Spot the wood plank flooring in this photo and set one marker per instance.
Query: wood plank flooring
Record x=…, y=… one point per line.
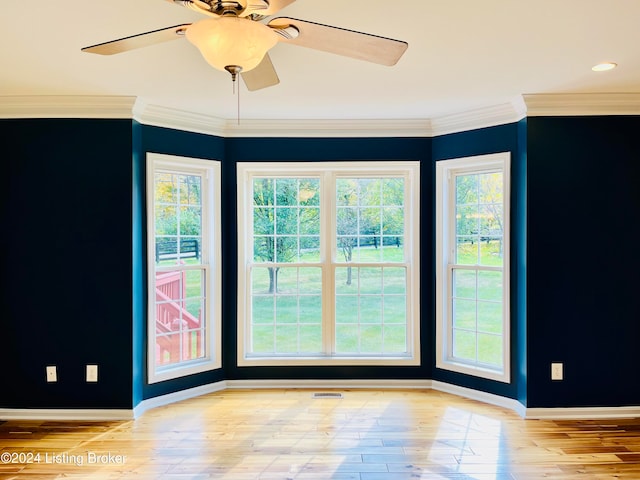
x=287, y=434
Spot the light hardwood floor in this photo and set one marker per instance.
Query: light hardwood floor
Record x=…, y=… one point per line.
x=287, y=434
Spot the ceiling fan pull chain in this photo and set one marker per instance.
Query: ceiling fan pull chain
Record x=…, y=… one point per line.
x=238, y=103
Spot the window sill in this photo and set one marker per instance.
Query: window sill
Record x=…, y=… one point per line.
x=475, y=371
x=183, y=370
x=328, y=361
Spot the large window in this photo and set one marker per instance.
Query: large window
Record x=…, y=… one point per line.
x=184, y=285
x=472, y=271
x=328, y=263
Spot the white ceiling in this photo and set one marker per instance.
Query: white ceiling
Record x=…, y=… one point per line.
x=463, y=55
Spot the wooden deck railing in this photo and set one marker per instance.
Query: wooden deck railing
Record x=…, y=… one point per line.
x=176, y=327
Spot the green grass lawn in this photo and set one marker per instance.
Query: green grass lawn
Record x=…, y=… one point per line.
x=477, y=305
x=371, y=312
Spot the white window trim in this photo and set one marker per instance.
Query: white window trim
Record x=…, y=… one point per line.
x=411, y=172
x=445, y=242
x=211, y=257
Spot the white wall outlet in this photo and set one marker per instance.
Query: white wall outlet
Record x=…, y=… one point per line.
x=556, y=371
x=52, y=373
x=92, y=373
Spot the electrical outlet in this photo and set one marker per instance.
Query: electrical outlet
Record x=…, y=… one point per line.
x=556, y=371
x=92, y=373
x=52, y=373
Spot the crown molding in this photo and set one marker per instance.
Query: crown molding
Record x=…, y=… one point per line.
x=127, y=107
x=66, y=106
x=485, y=117
x=403, y=128
x=165, y=117
x=582, y=104
x=330, y=128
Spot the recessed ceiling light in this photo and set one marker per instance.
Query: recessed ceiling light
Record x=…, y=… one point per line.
x=603, y=67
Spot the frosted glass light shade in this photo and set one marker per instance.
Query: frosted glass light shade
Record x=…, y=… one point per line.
x=228, y=41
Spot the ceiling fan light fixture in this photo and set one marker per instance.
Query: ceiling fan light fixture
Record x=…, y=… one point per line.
x=232, y=41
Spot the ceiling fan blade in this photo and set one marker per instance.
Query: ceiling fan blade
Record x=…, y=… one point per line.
x=138, y=41
x=266, y=9
x=263, y=76
x=363, y=46
x=197, y=5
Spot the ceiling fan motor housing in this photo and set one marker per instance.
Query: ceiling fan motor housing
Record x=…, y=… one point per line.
x=235, y=8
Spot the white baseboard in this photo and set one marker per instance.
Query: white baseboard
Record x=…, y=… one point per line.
x=573, y=413
x=483, y=397
x=66, y=414
x=582, y=413
x=170, y=398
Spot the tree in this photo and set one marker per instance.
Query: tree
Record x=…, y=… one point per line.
x=178, y=207
x=279, y=216
x=347, y=220
x=479, y=200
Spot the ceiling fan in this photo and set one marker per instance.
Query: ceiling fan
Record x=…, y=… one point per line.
x=236, y=40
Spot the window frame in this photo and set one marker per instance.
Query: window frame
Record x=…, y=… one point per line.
x=445, y=252
x=410, y=170
x=210, y=255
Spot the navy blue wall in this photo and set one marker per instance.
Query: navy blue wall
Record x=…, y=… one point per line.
x=74, y=262
x=584, y=198
x=323, y=149
x=171, y=142
x=66, y=243
x=503, y=138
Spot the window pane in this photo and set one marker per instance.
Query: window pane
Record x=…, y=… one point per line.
x=178, y=218
x=286, y=249
x=371, y=307
x=180, y=323
x=490, y=188
x=310, y=249
x=395, y=338
x=309, y=192
x=466, y=189
x=262, y=338
x=263, y=221
x=166, y=220
x=309, y=221
x=370, y=219
x=290, y=301
x=289, y=231
x=286, y=191
x=464, y=283
x=189, y=190
x=464, y=314
x=286, y=221
x=464, y=345
x=370, y=280
x=490, y=349
x=347, y=336
x=371, y=339
x=393, y=191
x=394, y=280
x=490, y=317
x=490, y=286
x=491, y=252
x=467, y=250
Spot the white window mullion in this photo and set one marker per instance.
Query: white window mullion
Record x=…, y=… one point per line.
x=328, y=223
x=331, y=265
